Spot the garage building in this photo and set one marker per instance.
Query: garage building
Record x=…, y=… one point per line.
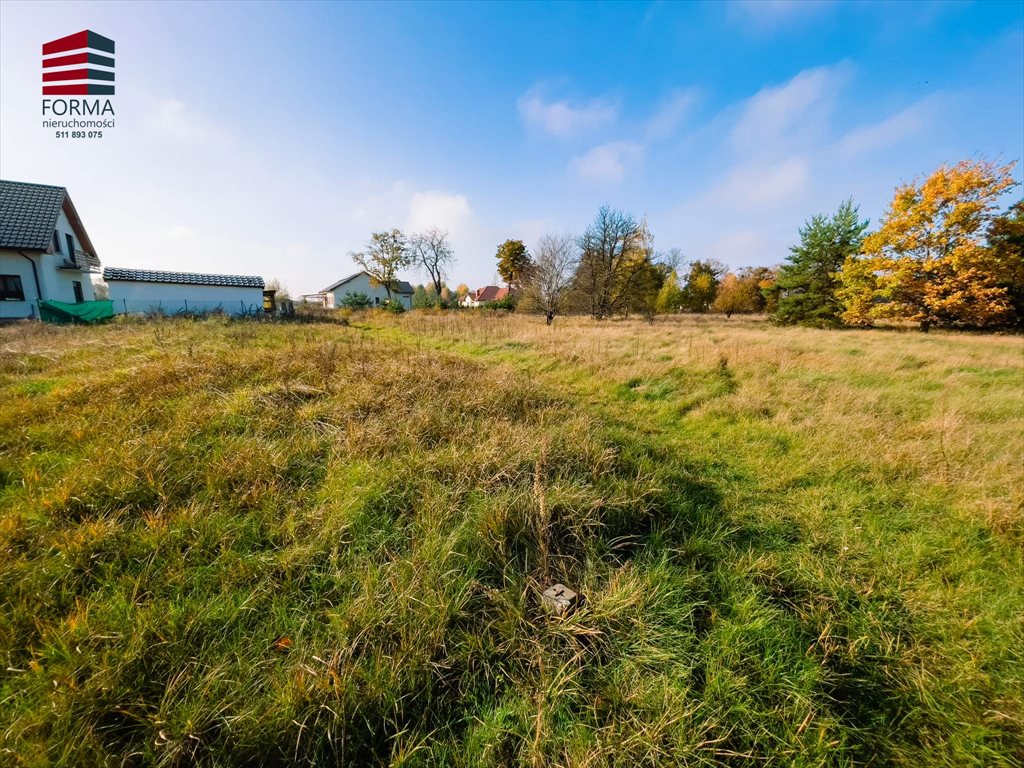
x=144, y=291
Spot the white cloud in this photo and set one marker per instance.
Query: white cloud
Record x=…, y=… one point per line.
x=608, y=162
x=439, y=209
x=759, y=184
x=378, y=208
x=670, y=114
x=893, y=129
x=786, y=113
x=562, y=118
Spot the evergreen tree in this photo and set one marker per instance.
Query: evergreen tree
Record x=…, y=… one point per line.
x=420, y=299
x=807, y=284
x=430, y=295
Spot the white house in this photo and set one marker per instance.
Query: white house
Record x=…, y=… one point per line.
x=45, y=253
x=360, y=283
x=138, y=291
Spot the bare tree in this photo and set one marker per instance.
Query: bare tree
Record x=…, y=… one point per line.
x=671, y=260
x=385, y=254
x=280, y=289
x=615, y=252
x=554, y=262
x=432, y=252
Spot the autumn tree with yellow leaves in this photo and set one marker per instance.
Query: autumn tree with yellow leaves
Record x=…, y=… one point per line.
x=749, y=291
x=929, y=262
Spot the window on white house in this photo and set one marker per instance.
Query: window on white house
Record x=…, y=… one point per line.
x=76, y=286
x=71, y=247
x=56, y=241
x=10, y=288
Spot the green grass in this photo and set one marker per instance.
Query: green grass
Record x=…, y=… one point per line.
x=235, y=544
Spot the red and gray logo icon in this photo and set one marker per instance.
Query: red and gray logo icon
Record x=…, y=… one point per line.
x=81, y=64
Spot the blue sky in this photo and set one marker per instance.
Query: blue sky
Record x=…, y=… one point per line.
x=272, y=139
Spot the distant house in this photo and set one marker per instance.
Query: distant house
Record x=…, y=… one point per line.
x=45, y=252
x=145, y=291
x=360, y=282
x=482, y=296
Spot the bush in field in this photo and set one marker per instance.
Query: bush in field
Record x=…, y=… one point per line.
x=357, y=300
x=426, y=297
x=508, y=304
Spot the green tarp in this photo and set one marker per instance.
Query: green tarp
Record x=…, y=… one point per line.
x=83, y=312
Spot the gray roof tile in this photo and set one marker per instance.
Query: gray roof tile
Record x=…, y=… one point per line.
x=28, y=214
x=183, y=278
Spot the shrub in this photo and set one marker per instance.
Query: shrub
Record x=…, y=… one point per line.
x=356, y=300
x=508, y=304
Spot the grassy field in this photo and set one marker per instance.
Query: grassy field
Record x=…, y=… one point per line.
x=237, y=544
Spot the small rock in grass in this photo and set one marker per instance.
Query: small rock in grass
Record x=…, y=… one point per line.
x=559, y=599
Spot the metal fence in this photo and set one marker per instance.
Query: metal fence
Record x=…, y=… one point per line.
x=184, y=307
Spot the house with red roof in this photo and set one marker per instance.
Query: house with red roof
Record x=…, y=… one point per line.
x=482, y=296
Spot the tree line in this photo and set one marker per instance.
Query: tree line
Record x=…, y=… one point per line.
x=942, y=255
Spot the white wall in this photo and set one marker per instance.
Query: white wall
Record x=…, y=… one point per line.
x=54, y=284
x=378, y=295
x=172, y=298
x=58, y=283
x=11, y=263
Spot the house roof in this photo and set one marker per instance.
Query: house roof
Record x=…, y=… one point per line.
x=490, y=293
x=28, y=217
x=401, y=286
x=183, y=278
